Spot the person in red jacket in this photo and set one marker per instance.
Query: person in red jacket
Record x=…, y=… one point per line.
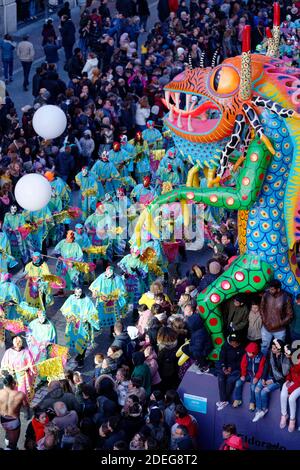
x=252, y=366
x=36, y=429
x=234, y=443
x=290, y=391
x=187, y=420
x=173, y=5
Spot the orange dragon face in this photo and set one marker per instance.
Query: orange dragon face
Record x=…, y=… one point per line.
x=203, y=103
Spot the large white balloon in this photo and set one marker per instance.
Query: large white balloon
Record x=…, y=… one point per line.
x=49, y=121
x=33, y=192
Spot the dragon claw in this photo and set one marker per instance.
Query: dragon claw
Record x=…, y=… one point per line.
x=268, y=144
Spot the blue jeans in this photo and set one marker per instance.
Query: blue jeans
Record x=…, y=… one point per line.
x=227, y=383
x=32, y=8
x=267, y=337
x=262, y=394
x=238, y=390
x=8, y=65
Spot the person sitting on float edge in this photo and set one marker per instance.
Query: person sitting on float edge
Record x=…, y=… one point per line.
x=290, y=391
x=276, y=368
x=228, y=369
x=252, y=367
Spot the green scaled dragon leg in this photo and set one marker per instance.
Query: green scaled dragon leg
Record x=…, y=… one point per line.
x=247, y=274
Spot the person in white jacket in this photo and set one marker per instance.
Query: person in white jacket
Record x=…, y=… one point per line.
x=25, y=52
x=91, y=63
x=142, y=113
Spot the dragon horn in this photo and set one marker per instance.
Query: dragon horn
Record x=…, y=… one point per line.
x=245, y=86
x=202, y=57
x=276, y=14
x=276, y=28
x=274, y=36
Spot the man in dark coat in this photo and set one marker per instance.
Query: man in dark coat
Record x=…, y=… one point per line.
x=200, y=343
x=67, y=31
x=163, y=10
x=65, y=163
x=75, y=64
x=122, y=338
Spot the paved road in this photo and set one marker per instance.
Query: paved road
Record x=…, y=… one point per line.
x=15, y=88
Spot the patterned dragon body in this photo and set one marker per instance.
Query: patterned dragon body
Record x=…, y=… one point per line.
x=266, y=191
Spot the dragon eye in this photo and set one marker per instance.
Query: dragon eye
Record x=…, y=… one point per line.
x=224, y=80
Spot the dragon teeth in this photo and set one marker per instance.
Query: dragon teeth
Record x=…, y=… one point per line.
x=171, y=115
x=188, y=101
x=167, y=95
x=189, y=126
x=179, y=122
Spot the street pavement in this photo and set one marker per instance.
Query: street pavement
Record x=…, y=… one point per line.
x=15, y=89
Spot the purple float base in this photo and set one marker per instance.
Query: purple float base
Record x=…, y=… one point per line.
x=263, y=435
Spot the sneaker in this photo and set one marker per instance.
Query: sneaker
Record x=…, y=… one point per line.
x=218, y=403
x=236, y=403
x=283, y=421
x=258, y=415
x=292, y=425
x=252, y=407
x=223, y=404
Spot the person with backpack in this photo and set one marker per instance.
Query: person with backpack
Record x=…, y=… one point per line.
x=166, y=358
x=157, y=428
x=122, y=338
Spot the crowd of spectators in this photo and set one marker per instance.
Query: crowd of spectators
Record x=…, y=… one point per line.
x=115, y=84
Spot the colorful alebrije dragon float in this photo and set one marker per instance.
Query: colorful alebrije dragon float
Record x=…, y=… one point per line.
x=253, y=99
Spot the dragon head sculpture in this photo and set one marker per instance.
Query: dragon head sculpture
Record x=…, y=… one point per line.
x=209, y=108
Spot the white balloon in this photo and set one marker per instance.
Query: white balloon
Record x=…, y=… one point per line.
x=49, y=121
x=33, y=192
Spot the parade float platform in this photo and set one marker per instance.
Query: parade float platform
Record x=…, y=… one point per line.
x=199, y=392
